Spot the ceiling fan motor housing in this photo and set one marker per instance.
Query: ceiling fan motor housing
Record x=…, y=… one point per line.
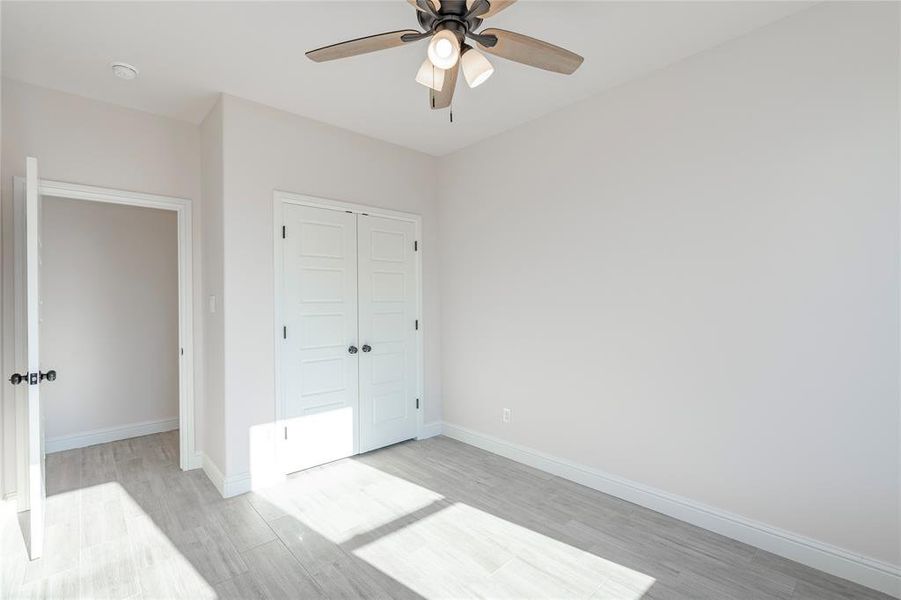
x=456, y=27
x=452, y=16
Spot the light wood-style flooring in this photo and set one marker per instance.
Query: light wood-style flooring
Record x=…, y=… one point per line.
x=428, y=519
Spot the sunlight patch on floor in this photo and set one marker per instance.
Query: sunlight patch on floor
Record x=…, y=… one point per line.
x=366, y=499
x=99, y=542
x=440, y=549
x=461, y=551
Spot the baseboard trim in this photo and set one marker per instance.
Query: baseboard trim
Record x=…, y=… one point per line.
x=430, y=430
x=237, y=485
x=195, y=461
x=108, y=434
x=213, y=473
x=245, y=482
x=831, y=559
x=227, y=487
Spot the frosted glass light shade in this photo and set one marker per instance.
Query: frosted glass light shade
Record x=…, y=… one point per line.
x=430, y=76
x=444, y=49
x=476, y=68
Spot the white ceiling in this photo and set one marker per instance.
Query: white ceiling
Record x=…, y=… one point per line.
x=187, y=52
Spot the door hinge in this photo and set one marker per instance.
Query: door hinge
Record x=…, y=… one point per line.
x=286, y=432
x=283, y=232
x=182, y=351
x=415, y=246
x=284, y=332
x=417, y=404
x=417, y=324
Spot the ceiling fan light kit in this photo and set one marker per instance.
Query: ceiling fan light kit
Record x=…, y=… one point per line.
x=444, y=49
x=447, y=24
x=430, y=76
x=476, y=68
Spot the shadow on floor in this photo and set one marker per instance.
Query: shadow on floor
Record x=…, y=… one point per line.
x=433, y=518
x=123, y=521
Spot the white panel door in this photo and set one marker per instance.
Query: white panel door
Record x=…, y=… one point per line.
x=388, y=361
x=35, y=413
x=319, y=370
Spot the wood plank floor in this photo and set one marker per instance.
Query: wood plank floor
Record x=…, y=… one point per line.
x=429, y=519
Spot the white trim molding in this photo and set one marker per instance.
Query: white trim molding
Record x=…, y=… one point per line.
x=213, y=473
x=183, y=209
x=235, y=485
x=108, y=434
x=860, y=569
x=430, y=430
x=195, y=461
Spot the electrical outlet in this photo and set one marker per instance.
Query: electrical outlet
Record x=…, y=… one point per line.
x=507, y=415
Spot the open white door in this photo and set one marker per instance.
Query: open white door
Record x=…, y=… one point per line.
x=34, y=430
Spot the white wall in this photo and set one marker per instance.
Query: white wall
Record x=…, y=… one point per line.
x=109, y=315
x=85, y=141
x=265, y=150
x=691, y=281
x=213, y=414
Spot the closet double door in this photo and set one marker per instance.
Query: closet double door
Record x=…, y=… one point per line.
x=348, y=373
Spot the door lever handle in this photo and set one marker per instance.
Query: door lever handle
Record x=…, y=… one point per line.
x=352, y=350
x=366, y=348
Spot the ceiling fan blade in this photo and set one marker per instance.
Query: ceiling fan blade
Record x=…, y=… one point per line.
x=443, y=98
x=435, y=3
x=371, y=43
x=529, y=51
x=495, y=7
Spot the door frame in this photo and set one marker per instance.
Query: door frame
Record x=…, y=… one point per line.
x=188, y=457
x=279, y=200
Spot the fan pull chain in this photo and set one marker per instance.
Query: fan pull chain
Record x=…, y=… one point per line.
x=431, y=89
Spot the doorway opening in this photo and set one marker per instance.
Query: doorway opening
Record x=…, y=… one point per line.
x=99, y=253
x=109, y=321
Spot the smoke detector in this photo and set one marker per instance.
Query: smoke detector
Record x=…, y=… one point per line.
x=124, y=70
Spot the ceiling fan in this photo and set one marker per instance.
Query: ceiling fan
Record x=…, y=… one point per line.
x=449, y=23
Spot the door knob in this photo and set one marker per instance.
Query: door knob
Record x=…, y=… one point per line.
x=366, y=348
x=49, y=375
x=352, y=349
x=16, y=379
